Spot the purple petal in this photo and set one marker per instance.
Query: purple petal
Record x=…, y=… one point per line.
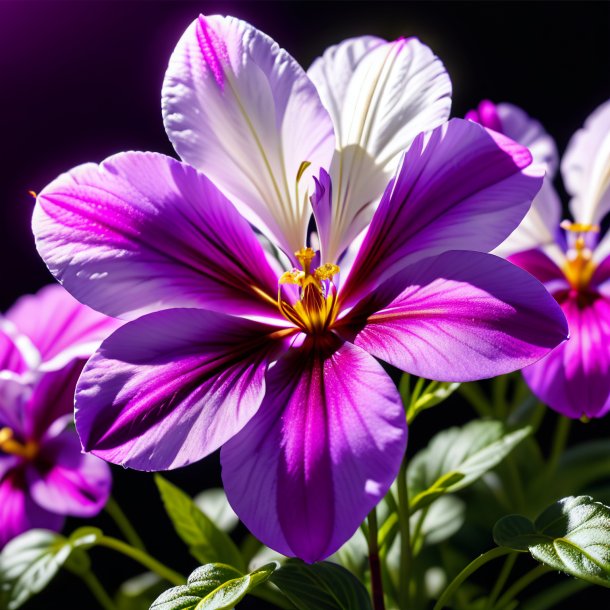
x=486, y=114
x=143, y=232
x=59, y=326
x=574, y=379
x=239, y=108
x=68, y=482
x=11, y=357
x=463, y=316
x=539, y=265
x=18, y=512
x=380, y=96
x=586, y=168
x=169, y=388
x=321, y=452
x=14, y=395
x=458, y=187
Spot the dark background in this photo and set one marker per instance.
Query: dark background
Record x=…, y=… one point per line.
x=81, y=80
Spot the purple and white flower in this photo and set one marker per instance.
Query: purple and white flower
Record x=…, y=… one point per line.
x=568, y=256
x=225, y=346
x=44, y=475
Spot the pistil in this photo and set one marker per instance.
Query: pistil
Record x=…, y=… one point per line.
x=9, y=444
x=579, y=266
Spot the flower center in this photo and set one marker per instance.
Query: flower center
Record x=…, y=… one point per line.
x=9, y=444
x=579, y=266
x=316, y=308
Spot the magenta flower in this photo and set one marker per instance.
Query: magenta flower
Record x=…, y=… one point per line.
x=276, y=362
x=44, y=476
x=568, y=257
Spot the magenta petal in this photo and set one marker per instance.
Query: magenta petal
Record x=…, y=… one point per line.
x=460, y=187
x=75, y=483
x=143, y=232
x=574, y=379
x=59, y=326
x=539, y=265
x=11, y=358
x=463, y=316
x=18, y=512
x=170, y=387
x=321, y=452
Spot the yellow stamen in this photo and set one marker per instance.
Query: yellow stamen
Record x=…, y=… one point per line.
x=579, y=266
x=8, y=444
x=316, y=309
x=579, y=227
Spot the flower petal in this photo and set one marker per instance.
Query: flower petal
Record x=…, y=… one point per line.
x=18, y=512
x=586, y=168
x=463, y=316
x=71, y=483
x=143, y=232
x=458, y=187
x=172, y=386
x=239, y=108
x=574, y=379
x=321, y=452
x=59, y=326
x=380, y=95
x=14, y=394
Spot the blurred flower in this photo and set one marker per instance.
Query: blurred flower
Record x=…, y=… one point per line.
x=572, y=258
x=276, y=362
x=44, y=475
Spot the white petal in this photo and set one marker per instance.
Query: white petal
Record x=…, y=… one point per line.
x=239, y=108
x=586, y=168
x=380, y=96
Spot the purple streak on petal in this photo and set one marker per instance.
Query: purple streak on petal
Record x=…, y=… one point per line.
x=601, y=275
x=52, y=398
x=11, y=358
x=13, y=396
x=59, y=326
x=458, y=187
x=487, y=115
x=18, y=512
x=169, y=388
x=463, y=316
x=322, y=451
x=539, y=265
x=143, y=232
x=66, y=481
x=321, y=203
x=575, y=378
x=212, y=49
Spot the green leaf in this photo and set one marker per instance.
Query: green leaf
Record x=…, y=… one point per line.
x=29, y=562
x=320, y=586
x=213, y=503
x=139, y=592
x=572, y=535
x=457, y=457
x=214, y=586
x=206, y=542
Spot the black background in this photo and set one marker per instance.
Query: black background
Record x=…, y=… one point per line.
x=81, y=80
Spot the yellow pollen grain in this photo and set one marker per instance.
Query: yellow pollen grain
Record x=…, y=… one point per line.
x=9, y=445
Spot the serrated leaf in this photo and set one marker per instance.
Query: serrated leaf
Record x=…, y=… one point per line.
x=457, y=457
x=213, y=587
x=320, y=586
x=30, y=561
x=572, y=535
x=206, y=542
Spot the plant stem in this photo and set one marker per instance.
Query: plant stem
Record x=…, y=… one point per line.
x=548, y=599
x=95, y=586
x=405, y=536
x=374, y=564
x=474, y=395
x=520, y=584
x=472, y=567
x=502, y=578
x=560, y=439
x=142, y=557
x=123, y=523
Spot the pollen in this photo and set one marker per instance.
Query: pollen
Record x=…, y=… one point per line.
x=579, y=266
x=9, y=444
x=315, y=310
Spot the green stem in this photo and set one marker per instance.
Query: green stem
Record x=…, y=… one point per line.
x=475, y=396
x=498, y=390
x=520, y=584
x=374, y=563
x=417, y=390
x=560, y=439
x=502, y=578
x=123, y=523
x=550, y=597
x=417, y=530
x=98, y=591
x=143, y=558
x=472, y=567
x=405, y=535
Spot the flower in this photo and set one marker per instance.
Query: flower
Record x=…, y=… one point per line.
x=276, y=364
x=571, y=257
x=44, y=476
